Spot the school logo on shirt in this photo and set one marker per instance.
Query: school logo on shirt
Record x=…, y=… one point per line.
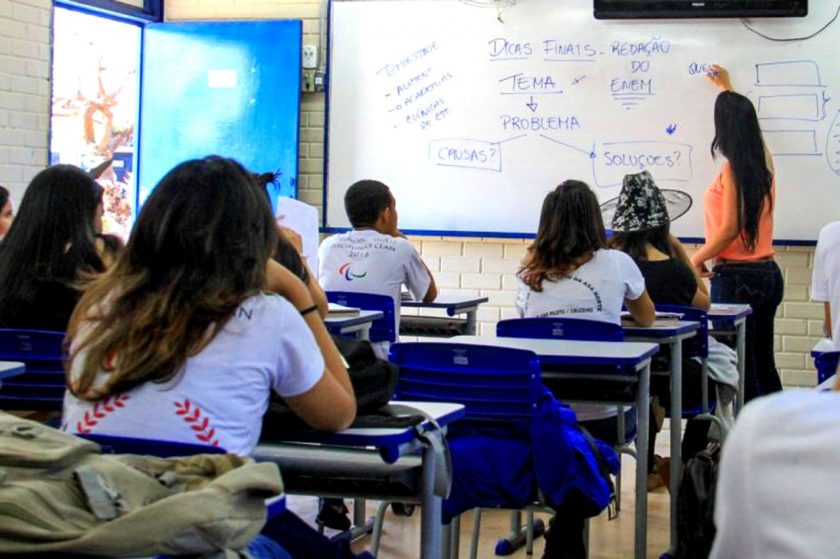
x=348, y=274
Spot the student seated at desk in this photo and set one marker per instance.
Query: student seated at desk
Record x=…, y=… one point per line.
x=289, y=251
x=50, y=249
x=776, y=484
x=374, y=257
x=825, y=280
x=641, y=228
x=180, y=340
x=569, y=272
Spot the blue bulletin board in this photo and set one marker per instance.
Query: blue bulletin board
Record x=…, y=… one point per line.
x=225, y=88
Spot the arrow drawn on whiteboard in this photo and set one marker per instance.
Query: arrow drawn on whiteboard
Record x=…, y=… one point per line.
x=531, y=104
x=578, y=80
x=511, y=139
x=591, y=154
x=671, y=129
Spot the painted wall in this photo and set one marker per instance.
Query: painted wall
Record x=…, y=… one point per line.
x=474, y=266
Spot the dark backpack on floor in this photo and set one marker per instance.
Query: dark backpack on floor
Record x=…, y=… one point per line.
x=696, y=499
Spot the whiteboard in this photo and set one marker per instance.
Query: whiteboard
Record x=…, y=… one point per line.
x=472, y=114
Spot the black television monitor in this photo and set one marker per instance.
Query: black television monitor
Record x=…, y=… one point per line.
x=657, y=9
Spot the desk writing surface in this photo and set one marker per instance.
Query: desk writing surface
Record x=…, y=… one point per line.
x=352, y=320
x=682, y=329
x=594, y=353
x=472, y=115
x=729, y=310
x=11, y=369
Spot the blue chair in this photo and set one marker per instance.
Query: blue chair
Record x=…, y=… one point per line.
x=695, y=346
x=381, y=330
x=826, y=364
x=569, y=329
x=41, y=387
x=498, y=386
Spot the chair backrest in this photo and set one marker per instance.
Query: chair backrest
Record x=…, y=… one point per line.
x=826, y=364
x=697, y=345
x=494, y=384
x=151, y=447
x=560, y=328
x=382, y=330
x=41, y=387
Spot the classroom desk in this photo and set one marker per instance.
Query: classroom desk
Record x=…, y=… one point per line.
x=453, y=305
x=11, y=369
x=673, y=336
x=572, y=352
x=358, y=324
x=377, y=452
x=734, y=316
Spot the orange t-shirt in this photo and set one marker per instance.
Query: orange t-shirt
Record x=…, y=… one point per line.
x=713, y=219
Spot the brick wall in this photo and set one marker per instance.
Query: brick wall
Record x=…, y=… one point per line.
x=475, y=266
x=24, y=90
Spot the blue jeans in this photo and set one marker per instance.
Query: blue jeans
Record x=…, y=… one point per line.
x=760, y=285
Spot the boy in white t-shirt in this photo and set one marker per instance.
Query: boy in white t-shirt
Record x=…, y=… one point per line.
x=374, y=257
x=825, y=281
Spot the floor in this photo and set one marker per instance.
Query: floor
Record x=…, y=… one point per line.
x=608, y=539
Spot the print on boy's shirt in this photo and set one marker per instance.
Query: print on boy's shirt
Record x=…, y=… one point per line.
x=348, y=274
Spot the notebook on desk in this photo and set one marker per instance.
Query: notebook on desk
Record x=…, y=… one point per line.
x=662, y=319
x=336, y=310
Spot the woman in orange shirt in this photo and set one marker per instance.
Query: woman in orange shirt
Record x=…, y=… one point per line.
x=738, y=215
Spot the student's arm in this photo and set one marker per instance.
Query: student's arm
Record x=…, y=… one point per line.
x=318, y=295
x=641, y=309
x=701, y=298
x=728, y=230
x=431, y=292
x=329, y=405
x=827, y=328
x=719, y=77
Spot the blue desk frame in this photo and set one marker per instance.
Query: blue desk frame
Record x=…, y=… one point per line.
x=358, y=324
x=673, y=336
x=734, y=316
x=333, y=453
x=453, y=305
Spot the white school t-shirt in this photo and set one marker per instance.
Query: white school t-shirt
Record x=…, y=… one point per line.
x=220, y=395
x=595, y=291
x=778, y=479
x=369, y=262
x=825, y=280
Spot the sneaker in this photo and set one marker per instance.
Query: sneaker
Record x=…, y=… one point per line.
x=332, y=516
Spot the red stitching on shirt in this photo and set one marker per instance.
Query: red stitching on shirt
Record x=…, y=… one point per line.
x=100, y=410
x=192, y=414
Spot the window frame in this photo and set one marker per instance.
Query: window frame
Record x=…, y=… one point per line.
x=152, y=10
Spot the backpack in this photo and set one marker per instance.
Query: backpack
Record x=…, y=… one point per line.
x=60, y=495
x=374, y=381
x=696, y=498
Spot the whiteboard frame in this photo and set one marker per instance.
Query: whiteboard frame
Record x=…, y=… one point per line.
x=445, y=233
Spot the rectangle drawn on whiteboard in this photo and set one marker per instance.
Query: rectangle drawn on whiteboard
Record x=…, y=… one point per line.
x=466, y=153
x=789, y=107
x=665, y=161
x=791, y=142
x=794, y=73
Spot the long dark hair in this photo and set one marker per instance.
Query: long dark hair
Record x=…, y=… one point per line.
x=635, y=243
x=4, y=196
x=570, y=227
x=198, y=249
x=52, y=239
x=738, y=138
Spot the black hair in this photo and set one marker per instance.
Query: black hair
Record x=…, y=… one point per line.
x=284, y=252
x=365, y=200
x=4, y=196
x=51, y=240
x=570, y=227
x=738, y=138
x=635, y=243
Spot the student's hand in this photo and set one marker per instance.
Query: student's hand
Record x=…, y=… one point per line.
x=719, y=77
x=292, y=236
x=704, y=272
